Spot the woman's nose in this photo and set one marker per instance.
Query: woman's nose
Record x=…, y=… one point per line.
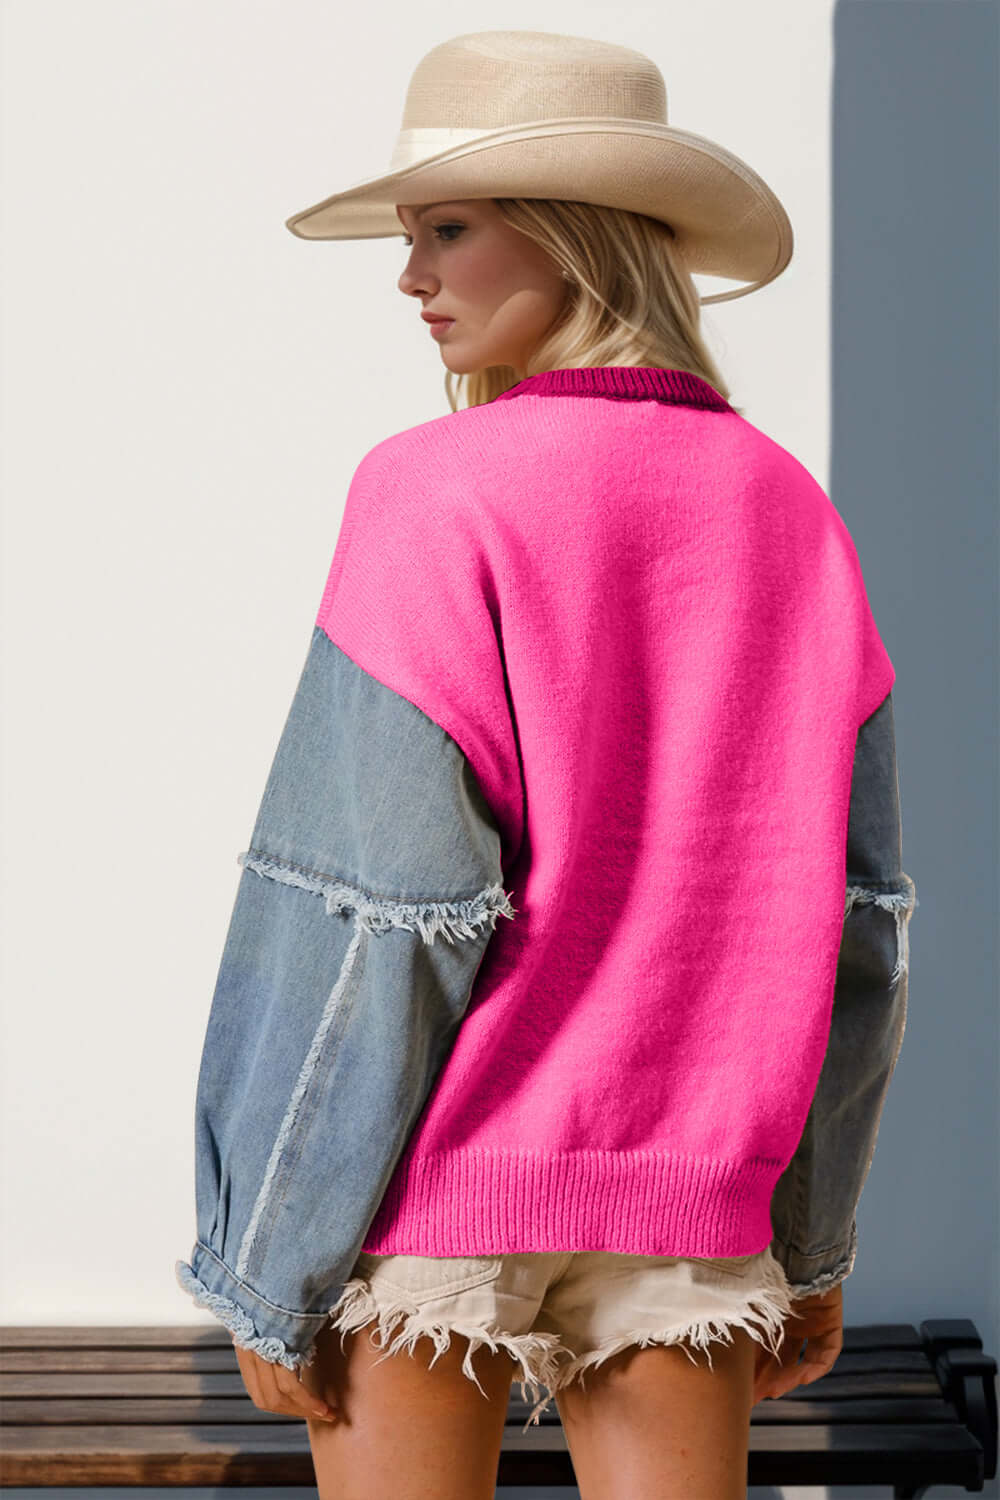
x=414, y=284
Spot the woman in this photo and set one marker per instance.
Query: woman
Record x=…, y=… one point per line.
x=596, y=639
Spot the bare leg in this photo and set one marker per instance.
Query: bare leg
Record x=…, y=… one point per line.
x=405, y=1431
x=650, y=1425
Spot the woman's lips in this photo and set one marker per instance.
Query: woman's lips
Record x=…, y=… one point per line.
x=441, y=326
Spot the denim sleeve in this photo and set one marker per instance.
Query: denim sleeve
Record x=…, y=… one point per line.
x=367, y=898
x=814, y=1207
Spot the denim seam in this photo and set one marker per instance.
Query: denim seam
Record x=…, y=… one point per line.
x=898, y=896
x=800, y=1194
x=792, y=1245
x=453, y=918
x=309, y=1093
x=326, y=876
x=331, y=1012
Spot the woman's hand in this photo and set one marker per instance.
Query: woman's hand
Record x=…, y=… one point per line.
x=286, y=1392
x=819, y=1322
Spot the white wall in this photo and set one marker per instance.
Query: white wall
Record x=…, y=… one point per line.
x=187, y=389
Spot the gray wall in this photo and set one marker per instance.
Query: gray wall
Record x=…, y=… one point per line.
x=914, y=469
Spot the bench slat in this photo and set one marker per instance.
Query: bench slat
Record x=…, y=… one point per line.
x=280, y=1454
x=93, y=1361
x=96, y=1361
x=46, y=1389
x=111, y=1335
x=120, y=1412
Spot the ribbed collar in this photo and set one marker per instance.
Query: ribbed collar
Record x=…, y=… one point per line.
x=622, y=383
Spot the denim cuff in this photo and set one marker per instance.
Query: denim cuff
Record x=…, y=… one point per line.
x=810, y=1275
x=276, y=1334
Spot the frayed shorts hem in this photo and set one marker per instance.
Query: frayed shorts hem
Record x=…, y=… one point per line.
x=543, y=1359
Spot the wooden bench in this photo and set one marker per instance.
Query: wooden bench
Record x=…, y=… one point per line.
x=167, y=1406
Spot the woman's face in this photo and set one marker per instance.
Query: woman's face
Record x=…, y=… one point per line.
x=467, y=263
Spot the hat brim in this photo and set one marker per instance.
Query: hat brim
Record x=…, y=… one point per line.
x=726, y=219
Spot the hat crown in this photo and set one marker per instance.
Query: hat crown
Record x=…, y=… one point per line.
x=543, y=115
x=491, y=80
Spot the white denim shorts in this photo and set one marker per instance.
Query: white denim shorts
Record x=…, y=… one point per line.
x=558, y=1314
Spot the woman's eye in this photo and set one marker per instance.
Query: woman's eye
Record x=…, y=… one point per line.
x=438, y=229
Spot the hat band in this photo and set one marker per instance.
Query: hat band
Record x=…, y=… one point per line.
x=413, y=146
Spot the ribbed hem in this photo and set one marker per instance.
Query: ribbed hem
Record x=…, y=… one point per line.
x=500, y=1202
x=622, y=383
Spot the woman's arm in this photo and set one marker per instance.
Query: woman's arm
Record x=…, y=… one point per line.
x=369, y=893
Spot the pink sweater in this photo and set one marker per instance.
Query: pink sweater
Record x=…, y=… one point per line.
x=646, y=626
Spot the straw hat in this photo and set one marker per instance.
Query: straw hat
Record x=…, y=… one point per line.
x=534, y=114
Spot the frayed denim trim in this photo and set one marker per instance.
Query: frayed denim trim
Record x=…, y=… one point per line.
x=824, y=1283
x=453, y=919
x=537, y=1353
x=543, y=1358
x=769, y=1304
x=890, y=898
x=239, y=1323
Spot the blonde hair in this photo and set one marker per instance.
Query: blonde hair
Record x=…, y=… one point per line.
x=630, y=299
